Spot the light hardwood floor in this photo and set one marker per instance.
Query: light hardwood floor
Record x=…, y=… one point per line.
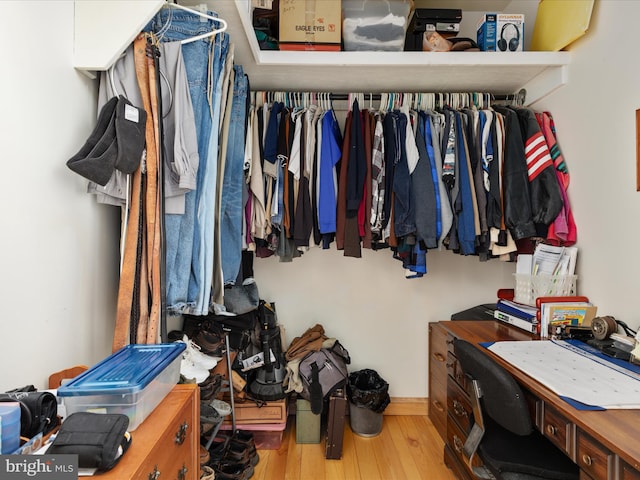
x=408, y=448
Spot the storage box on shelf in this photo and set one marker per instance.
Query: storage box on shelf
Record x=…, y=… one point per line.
x=378, y=25
x=131, y=381
x=309, y=25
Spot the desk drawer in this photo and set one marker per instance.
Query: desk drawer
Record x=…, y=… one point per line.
x=627, y=472
x=458, y=406
x=455, y=441
x=438, y=406
x=557, y=428
x=455, y=371
x=438, y=378
x=592, y=457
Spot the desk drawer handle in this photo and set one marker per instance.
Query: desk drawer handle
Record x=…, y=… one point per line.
x=155, y=474
x=182, y=473
x=438, y=406
x=181, y=434
x=552, y=430
x=439, y=356
x=586, y=459
x=457, y=444
x=459, y=410
x=449, y=342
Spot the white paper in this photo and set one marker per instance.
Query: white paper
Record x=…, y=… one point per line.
x=573, y=373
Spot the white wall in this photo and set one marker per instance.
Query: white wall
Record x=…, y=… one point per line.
x=58, y=248
x=595, y=118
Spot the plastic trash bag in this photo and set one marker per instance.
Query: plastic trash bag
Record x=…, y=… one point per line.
x=366, y=388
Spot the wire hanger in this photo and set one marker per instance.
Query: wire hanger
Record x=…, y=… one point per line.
x=204, y=15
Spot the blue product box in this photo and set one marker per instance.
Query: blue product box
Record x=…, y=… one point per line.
x=486, y=33
x=132, y=381
x=501, y=32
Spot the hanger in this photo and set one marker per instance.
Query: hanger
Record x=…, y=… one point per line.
x=204, y=15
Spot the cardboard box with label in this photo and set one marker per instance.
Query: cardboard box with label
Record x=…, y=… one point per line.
x=501, y=32
x=310, y=25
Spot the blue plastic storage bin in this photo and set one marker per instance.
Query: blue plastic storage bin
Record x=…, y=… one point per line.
x=132, y=381
x=9, y=427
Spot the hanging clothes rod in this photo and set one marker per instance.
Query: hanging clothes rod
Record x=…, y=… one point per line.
x=520, y=96
x=517, y=98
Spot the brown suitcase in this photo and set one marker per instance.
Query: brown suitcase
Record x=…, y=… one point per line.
x=335, y=424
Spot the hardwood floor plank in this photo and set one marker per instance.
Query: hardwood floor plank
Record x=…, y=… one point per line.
x=404, y=446
x=312, y=465
x=366, y=457
x=427, y=447
x=388, y=455
x=407, y=448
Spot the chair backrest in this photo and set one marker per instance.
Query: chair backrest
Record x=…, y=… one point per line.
x=56, y=379
x=502, y=398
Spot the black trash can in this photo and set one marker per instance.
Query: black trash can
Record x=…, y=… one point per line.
x=368, y=395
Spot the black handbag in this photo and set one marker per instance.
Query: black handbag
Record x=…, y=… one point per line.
x=99, y=439
x=38, y=411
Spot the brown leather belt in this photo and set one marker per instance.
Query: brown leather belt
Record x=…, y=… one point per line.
x=139, y=294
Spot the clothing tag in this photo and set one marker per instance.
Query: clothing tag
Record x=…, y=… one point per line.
x=202, y=8
x=266, y=4
x=131, y=113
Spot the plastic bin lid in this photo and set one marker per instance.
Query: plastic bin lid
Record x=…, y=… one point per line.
x=126, y=371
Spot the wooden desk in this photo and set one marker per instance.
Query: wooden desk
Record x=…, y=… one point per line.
x=603, y=443
x=166, y=444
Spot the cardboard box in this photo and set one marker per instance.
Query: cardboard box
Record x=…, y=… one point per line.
x=310, y=25
x=501, y=32
x=250, y=413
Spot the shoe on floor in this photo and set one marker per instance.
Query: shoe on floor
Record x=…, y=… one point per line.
x=208, y=414
x=204, y=456
x=193, y=351
x=190, y=370
x=207, y=473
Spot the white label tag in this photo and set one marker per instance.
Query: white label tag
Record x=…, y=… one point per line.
x=131, y=113
x=266, y=4
x=256, y=361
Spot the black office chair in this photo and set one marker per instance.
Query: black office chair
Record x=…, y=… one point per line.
x=502, y=434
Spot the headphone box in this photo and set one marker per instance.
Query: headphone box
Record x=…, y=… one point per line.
x=501, y=32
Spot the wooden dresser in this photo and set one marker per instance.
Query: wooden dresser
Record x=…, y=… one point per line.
x=602, y=443
x=165, y=445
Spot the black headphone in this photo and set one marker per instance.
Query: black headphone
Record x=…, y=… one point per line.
x=513, y=43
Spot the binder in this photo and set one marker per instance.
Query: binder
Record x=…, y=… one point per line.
x=524, y=312
x=335, y=424
x=520, y=323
